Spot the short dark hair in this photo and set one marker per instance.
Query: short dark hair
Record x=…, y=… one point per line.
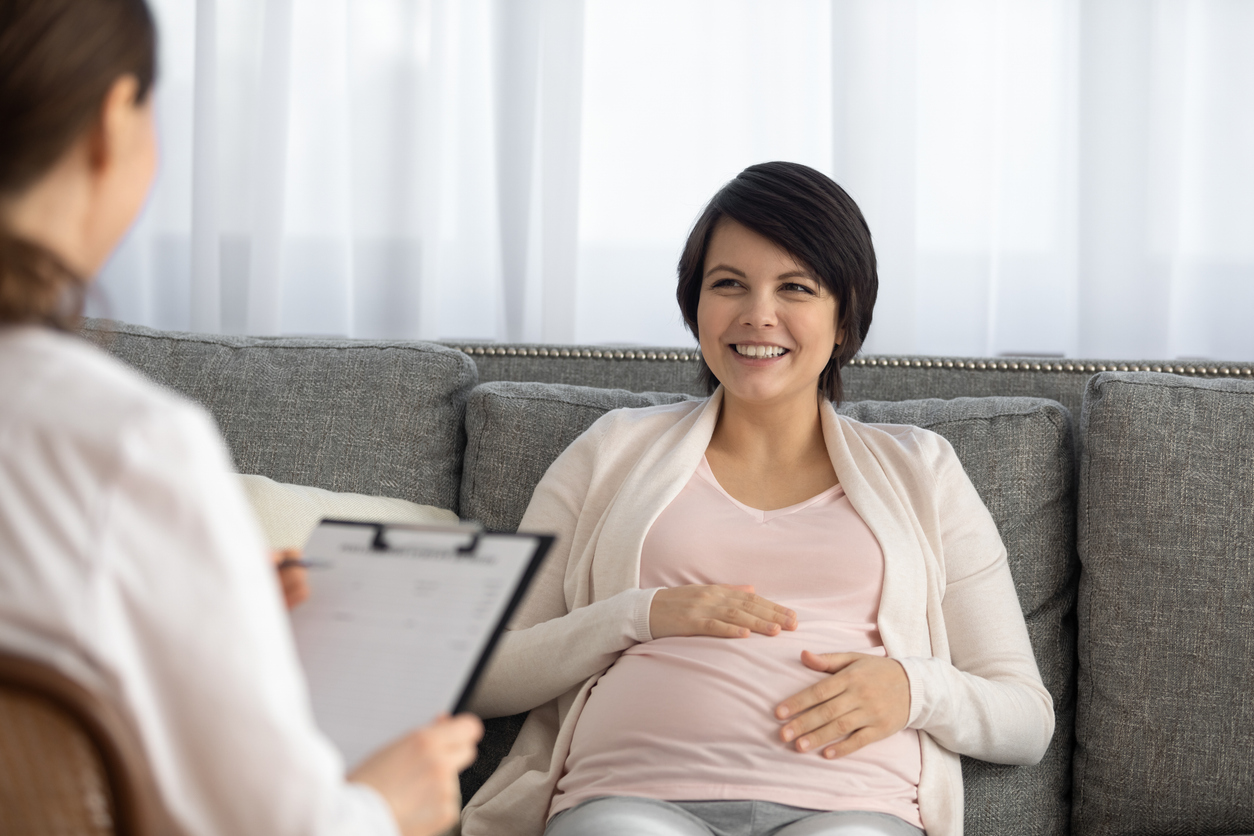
x=806, y=214
x=58, y=60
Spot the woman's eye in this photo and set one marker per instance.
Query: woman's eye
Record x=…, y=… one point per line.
x=795, y=286
x=725, y=283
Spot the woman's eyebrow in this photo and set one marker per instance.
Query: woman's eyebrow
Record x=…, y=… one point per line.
x=718, y=267
x=791, y=274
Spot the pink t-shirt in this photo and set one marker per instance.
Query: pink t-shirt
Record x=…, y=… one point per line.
x=692, y=718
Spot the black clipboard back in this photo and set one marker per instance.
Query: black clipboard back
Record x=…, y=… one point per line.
x=544, y=542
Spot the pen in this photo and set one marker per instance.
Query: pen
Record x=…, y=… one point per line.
x=292, y=563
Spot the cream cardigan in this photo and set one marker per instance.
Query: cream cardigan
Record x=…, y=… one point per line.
x=948, y=612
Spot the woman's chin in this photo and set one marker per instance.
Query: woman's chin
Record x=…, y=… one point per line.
x=763, y=392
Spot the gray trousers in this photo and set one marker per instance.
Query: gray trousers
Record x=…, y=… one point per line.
x=626, y=816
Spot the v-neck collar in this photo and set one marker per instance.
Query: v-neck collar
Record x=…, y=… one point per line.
x=706, y=473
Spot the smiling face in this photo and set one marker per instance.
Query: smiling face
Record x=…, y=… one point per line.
x=767, y=325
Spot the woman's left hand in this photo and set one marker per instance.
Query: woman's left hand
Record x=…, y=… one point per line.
x=866, y=699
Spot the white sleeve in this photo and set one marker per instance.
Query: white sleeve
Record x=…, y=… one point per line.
x=548, y=650
x=989, y=703
x=192, y=627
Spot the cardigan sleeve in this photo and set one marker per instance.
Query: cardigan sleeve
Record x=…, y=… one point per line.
x=548, y=648
x=988, y=702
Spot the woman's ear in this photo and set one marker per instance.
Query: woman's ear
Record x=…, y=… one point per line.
x=119, y=128
x=119, y=162
x=842, y=315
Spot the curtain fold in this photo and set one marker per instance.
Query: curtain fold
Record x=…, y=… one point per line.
x=205, y=262
x=270, y=158
x=517, y=30
x=1065, y=177
x=561, y=97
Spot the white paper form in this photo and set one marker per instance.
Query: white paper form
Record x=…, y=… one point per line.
x=389, y=639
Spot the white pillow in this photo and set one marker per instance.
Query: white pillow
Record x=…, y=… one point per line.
x=289, y=513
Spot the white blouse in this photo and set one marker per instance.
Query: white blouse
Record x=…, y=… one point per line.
x=130, y=559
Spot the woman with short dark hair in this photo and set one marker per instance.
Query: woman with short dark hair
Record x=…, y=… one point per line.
x=131, y=560
x=806, y=214
x=761, y=617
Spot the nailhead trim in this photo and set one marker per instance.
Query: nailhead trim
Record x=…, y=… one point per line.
x=1050, y=366
x=587, y=354
x=892, y=362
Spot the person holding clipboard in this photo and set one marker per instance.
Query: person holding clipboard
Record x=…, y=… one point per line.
x=130, y=558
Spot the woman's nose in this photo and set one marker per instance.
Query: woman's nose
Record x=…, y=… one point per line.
x=759, y=310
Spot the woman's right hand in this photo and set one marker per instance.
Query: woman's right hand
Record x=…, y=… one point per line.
x=417, y=775
x=722, y=610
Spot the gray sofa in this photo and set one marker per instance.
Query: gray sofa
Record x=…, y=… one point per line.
x=1124, y=493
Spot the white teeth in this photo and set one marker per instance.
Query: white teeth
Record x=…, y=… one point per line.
x=759, y=350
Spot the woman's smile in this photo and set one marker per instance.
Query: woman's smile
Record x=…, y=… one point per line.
x=751, y=351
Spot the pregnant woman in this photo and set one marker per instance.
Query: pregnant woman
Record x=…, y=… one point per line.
x=761, y=617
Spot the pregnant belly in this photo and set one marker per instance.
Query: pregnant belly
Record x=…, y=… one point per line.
x=693, y=717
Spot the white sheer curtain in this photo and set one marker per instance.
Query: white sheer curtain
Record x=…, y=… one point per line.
x=1041, y=176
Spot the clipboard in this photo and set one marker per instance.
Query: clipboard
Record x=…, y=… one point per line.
x=402, y=621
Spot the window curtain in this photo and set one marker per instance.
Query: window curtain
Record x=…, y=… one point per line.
x=1054, y=177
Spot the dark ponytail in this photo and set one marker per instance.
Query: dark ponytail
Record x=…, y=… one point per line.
x=58, y=60
x=36, y=286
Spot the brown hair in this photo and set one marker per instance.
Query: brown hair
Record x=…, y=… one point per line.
x=811, y=218
x=58, y=60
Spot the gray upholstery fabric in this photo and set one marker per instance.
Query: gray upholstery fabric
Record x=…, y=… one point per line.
x=890, y=379
x=514, y=431
x=893, y=383
x=377, y=418
x=1165, y=697
x=1018, y=453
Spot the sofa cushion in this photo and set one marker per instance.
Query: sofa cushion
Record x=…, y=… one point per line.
x=1019, y=454
x=289, y=513
x=369, y=417
x=1165, y=699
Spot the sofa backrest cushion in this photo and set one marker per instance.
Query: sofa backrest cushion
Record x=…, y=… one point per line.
x=1019, y=454
x=1165, y=699
x=375, y=418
